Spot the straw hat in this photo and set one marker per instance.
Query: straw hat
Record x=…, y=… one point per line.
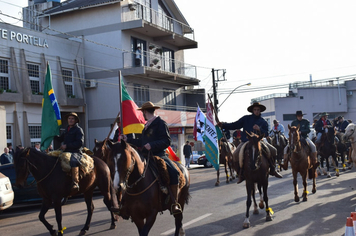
x=75, y=115
x=148, y=105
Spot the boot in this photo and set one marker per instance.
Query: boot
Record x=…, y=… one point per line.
x=75, y=179
x=241, y=176
x=285, y=161
x=272, y=169
x=175, y=208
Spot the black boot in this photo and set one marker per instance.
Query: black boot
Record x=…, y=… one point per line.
x=272, y=170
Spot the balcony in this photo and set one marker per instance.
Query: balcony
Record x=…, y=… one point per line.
x=158, y=67
x=160, y=27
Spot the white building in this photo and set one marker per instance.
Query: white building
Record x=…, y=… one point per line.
x=87, y=43
x=335, y=96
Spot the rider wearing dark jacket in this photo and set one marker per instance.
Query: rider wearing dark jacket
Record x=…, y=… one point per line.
x=252, y=123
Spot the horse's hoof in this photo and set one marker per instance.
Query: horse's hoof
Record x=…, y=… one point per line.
x=54, y=233
x=246, y=225
x=329, y=175
x=217, y=183
x=82, y=232
x=261, y=205
x=227, y=181
x=268, y=217
x=296, y=199
x=112, y=226
x=314, y=191
x=256, y=212
x=305, y=199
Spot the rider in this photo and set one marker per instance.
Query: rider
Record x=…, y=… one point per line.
x=342, y=124
x=278, y=127
x=155, y=139
x=251, y=123
x=304, y=130
x=72, y=141
x=320, y=126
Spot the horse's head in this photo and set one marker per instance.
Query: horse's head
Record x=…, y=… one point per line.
x=294, y=137
x=21, y=165
x=350, y=132
x=254, y=140
x=101, y=149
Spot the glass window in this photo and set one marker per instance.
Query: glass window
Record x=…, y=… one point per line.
x=8, y=134
x=289, y=117
x=4, y=74
x=141, y=94
x=67, y=76
x=34, y=74
x=169, y=99
x=35, y=134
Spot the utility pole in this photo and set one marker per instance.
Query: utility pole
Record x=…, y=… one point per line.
x=215, y=85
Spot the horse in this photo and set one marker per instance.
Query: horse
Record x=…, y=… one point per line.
x=327, y=149
x=53, y=184
x=279, y=142
x=141, y=195
x=225, y=152
x=351, y=135
x=256, y=171
x=300, y=162
x=342, y=148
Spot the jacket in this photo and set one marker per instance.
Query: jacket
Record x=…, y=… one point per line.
x=247, y=122
x=73, y=138
x=319, y=126
x=342, y=126
x=304, y=127
x=187, y=150
x=157, y=135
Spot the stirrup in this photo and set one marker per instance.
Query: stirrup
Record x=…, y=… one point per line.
x=176, y=211
x=75, y=186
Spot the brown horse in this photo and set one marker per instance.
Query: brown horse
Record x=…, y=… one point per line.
x=300, y=162
x=53, y=184
x=256, y=170
x=141, y=197
x=225, y=152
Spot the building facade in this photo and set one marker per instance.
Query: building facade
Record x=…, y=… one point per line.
x=89, y=42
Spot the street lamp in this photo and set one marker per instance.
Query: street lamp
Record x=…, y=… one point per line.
x=248, y=84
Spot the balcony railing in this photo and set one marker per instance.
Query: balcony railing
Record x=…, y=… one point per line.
x=159, y=62
x=274, y=95
x=140, y=12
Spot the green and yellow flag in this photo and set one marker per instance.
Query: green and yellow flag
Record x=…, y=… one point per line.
x=51, y=115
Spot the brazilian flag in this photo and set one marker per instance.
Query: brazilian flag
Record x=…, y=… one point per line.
x=51, y=115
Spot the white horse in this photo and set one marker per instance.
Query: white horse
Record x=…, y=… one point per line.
x=350, y=134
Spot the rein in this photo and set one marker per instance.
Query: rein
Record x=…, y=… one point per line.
x=27, y=154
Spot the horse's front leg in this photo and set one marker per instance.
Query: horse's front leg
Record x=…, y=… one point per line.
x=255, y=209
x=217, y=183
x=269, y=211
x=336, y=164
x=110, y=199
x=305, y=186
x=249, y=186
x=46, y=203
x=90, y=208
x=295, y=184
x=226, y=171
x=150, y=220
x=328, y=167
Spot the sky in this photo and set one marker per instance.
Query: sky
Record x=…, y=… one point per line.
x=265, y=43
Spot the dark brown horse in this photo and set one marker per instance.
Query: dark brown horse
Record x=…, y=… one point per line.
x=327, y=149
x=300, y=162
x=142, y=198
x=225, y=152
x=279, y=142
x=342, y=148
x=256, y=170
x=53, y=184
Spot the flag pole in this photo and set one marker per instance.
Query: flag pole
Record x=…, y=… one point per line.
x=120, y=103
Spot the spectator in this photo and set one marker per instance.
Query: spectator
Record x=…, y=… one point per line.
x=187, y=151
x=11, y=150
x=38, y=147
x=6, y=157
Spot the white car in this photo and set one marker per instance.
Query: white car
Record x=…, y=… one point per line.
x=6, y=193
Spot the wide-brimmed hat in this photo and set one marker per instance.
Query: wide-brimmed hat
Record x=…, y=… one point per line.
x=340, y=117
x=275, y=121
x=324, y=114
x=256, y=104
x=299, y=113
x=75, y=115
x=148, y=105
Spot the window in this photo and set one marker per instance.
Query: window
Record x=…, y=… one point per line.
x=169, y=99
x=168, y=59
x=135, y=43
x=8, y=134
x=67, y=76
x=4, y=74
x=289, y=117
x=141, y=94
x=35, y=134
x=34, y=74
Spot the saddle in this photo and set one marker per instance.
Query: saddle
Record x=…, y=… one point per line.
x=264, y=148
x=86, y=162
x=159, y=168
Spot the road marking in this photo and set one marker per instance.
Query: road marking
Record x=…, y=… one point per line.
x=188, y=223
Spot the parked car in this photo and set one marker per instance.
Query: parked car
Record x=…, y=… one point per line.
x=194, y=159
x=203, y=161
x=6, y=193
x=26, y=194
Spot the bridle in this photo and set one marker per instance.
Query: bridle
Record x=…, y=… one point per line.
x=50, y=172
